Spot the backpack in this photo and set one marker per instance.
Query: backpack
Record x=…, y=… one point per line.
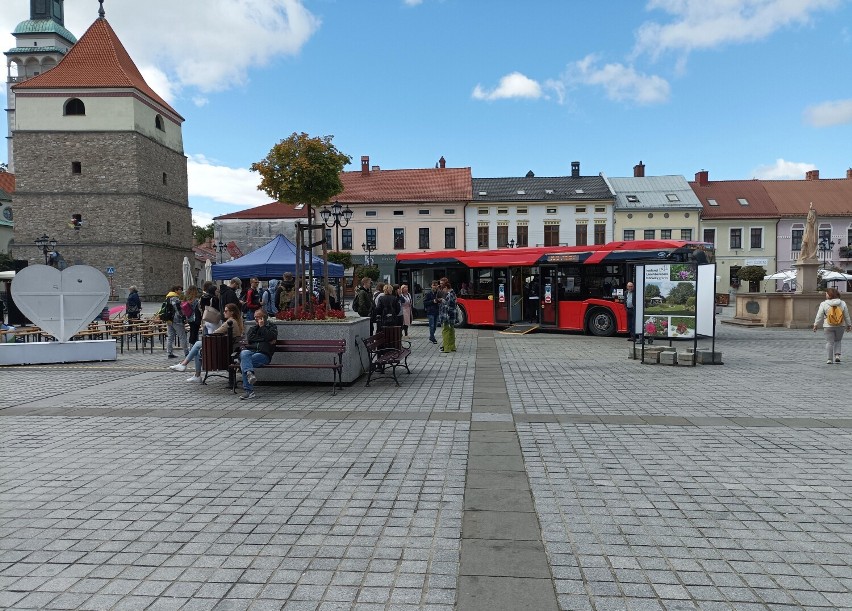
x=186, y=309
x=834, y=316
x=167, y=310
x=361, y=303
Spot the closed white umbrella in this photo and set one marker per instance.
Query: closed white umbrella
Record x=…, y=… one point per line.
x=208, y=271
x=187, y=274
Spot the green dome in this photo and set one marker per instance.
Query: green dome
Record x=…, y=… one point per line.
x=44, y=26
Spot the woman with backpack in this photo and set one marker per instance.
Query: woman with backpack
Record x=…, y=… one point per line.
x=833, y=315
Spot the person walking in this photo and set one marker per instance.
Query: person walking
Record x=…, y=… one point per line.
x=833, y=315
x=234, y=320
x=133, y=306
x=431, y=306
x=387, y=308
x=405, y=307
x=260, y=346
x=252, y=301
x=209, y=299
x=447, y=316
x=175, y=329
x=193, y=319
x=228, y=292
x=362, y=303
x=630, y=304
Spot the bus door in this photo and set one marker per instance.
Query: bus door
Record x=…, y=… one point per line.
x=549, y=292
x=516, y=296
x=502, y=296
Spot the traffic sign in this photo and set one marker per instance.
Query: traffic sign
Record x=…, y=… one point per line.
x=110, y=271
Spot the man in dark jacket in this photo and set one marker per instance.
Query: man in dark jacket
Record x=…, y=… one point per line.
x=260, y=346
x=228, y=294
x=430, y=304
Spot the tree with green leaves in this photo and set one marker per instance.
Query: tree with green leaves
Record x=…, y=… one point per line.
x=681, y=293
x=3, y=167
x=202, y=233
x=303, y=170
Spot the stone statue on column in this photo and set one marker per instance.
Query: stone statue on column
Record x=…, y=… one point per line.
x=807, y=263
x=809, y=239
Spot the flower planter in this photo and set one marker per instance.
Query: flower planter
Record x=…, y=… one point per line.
x=353, y=330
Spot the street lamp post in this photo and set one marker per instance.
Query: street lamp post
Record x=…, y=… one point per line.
x=825, y=246
x=368, y=248
x=336, y=217
x=47, y=246
x=220, y=246
x=512, y=243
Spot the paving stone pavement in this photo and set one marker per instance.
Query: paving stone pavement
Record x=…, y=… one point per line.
x=546, y=469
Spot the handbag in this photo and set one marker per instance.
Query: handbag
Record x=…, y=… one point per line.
x=211, y=315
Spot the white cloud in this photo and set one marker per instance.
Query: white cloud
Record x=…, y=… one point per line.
x=201, y=218
x=621, y=83
x=782, y=170
x=826, y=114
x=235, y=186
x=203, y=45
x=703, y=24
x=412, y=2
x=514, y=85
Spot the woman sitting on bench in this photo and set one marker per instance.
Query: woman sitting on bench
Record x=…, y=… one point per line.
x=260, y=346
x=233, y=319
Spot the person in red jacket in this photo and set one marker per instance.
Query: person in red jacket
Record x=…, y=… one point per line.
x=252, y=300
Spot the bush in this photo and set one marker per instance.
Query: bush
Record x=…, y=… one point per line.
x=751, y=273
x=343, y=258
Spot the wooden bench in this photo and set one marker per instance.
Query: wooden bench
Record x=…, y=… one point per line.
x=335, y=347
x=387, y=350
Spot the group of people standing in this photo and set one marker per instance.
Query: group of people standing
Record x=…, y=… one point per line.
x=389, y=305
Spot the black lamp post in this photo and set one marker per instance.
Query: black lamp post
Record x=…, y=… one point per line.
x=336, y=217
x=220, y=246
x=368, y=248
x=47, y=246
x=512, y=243
x=825, y=246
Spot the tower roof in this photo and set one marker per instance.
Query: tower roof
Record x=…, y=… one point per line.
x=97, y=61
x=44, y=26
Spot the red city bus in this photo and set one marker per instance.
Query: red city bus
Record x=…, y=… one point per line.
x=571, y=288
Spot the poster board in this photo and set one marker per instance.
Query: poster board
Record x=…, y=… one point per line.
x=675, y=301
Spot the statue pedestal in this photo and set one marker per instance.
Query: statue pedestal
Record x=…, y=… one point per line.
x=806, y=276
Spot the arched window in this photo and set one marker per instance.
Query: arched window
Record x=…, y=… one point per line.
x=158, y=123
x=75, y=106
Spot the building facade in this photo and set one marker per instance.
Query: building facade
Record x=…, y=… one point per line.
x=100, y=167
x=539, y=211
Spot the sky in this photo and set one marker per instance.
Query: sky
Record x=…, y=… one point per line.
x=741, y=88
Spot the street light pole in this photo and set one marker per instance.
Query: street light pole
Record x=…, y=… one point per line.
x=825, y=246
x=336, y=217
x=47, y=246
x=368, y=248
x=220, y=246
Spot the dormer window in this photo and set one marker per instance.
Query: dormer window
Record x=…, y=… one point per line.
x=158, y=123
x=75, y=106
x=633, y=199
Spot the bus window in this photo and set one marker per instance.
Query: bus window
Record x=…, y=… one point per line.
x=570, y=281
x=483, y=283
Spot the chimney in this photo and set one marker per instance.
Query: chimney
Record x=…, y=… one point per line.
x=702, y=178
x=639, y=170
x=812, y=175
x=365, y=165
x=849, y=173
x=442, y=163
x=575, y=169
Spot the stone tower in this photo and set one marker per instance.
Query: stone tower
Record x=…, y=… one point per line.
x=94, y=143
x=40, y=43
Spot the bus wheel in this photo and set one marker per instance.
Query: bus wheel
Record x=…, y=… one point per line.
x=461, y=318
x=601, y=322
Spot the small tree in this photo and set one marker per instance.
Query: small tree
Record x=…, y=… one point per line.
x=343, y=258
x=302, y=170
x=753, y=274
x=369, y=271
x=202, y=233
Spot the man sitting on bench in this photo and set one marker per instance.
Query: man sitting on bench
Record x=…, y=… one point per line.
x=260, y=346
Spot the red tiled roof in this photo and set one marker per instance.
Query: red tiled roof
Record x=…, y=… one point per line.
x=727, y=193
x=275, y=210
x=831, y=197
x=7, y=182
x=98, y=60
x=422, y=185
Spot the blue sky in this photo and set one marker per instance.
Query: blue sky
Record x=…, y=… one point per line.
x=741, y=88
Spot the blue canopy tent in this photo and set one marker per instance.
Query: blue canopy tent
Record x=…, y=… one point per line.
x=271, y=261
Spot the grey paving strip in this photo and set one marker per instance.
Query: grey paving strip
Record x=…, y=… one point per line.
x=47, y=407
x=503, y=563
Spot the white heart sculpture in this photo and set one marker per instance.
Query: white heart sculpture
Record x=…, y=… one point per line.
x=60, y=303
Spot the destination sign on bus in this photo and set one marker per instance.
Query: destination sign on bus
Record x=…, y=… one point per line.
x=562, y=258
